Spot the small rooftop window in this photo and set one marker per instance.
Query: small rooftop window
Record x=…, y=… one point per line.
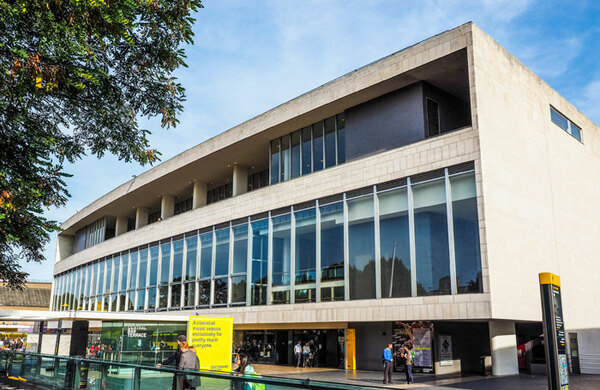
x=564, y=123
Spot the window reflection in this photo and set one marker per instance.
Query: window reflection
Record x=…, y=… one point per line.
x=220, y=291
x=165, y=262
x=281, y=250
x=191, y=245
x=306, y=246
x=206, y=241
x=361, y=248
x=238, y=289
x=260, y=248
x=240, y=248
x=222, y=252
x=431, y=238
x=177, y=261
x=332, y=241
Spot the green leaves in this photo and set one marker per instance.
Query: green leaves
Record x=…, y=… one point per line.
x=74, y=77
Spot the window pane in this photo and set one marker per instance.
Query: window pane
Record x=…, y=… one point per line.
x=240, y=248
x=143, y=268
x=176, y=295
x=101, y=273
x=341, y=138
x=177, y=260
x=152, y=298
x=141, y=299
x=332, y=241
x=332, y=293
x=305, y=295
x=153, y=277
x=431, y=238
x=238, y=289
x=330, y=158
x=220, y=291
x=466, y=234
x=317, y=146
x=558, y=119
x=163, y=296
x=275, y=146
x=361, y=248
x=296, y=154
x=260, y=242
x=306, y=246
x=280, y=297
x=281, y=250
x=114, y=274
x=222, y=252
x=133, y=265
x=190, y=295
x=285, y=158
x=576, y=132
x=124, y=268
x=394, y=244
x=165, y=262
x=306, y=151
x=204, y=292
x=206, y=240
x=191, y=245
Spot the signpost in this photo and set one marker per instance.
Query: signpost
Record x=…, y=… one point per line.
x=554, y=332
x=212, y=337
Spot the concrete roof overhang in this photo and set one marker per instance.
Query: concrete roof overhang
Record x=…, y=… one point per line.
x=248, y=143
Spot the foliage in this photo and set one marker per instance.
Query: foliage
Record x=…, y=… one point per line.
x=75, y=77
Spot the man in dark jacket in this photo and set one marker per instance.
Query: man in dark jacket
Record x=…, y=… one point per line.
x=173, y=360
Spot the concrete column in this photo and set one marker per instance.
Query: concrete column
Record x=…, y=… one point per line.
x=199, y=197
x=141, y=217
x=240, y=180
x=64, y=247
x=503, y=344
x=121, y=226
x=167, y=206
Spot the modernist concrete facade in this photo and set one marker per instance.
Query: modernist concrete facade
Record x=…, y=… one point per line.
x=533, y=187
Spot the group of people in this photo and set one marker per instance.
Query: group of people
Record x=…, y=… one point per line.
x=13, y=344
x=305, y=355
x=98, y=351
x=405, y=353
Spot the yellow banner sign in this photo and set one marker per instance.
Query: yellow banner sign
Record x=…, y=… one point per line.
x=212, y=337
x=350, y=349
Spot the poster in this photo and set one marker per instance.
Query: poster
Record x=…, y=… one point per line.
x=422, y=347
x=350, y=349
x=212, y=337
x=445, y=345
x=417, y=335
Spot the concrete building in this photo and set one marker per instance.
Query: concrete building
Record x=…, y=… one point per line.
x=416, y=198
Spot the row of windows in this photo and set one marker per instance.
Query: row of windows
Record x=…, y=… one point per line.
x=310, y=149
x=564, y=123
x=408, y=239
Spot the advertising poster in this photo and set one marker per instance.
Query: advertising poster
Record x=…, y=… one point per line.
x=212, y=337
x=350, y=349
x=417, y=335
x=445, y=346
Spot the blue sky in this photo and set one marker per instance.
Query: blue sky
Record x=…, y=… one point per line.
x=250, y=56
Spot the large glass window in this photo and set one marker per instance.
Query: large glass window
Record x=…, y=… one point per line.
x=285, y=158
x=153, y=276
x=206, y=241
x=341, y=138
x=133, y=269
x=306, y=246
x=220, y=291
x=238, y=289
x=394, y=244
x=361, y=248
x=141, y=299
x=330, y=157
x=189, y=295
x=176, y=295
x=165, y=262
x=191, y=245
x=260, y=250
x=143, y=268
x=163, y=297
x=466, y=234
x=177, y=260
x=295, y=170
x=431, y=238
x=281, y=250
x=204, y=292
x=306, y=150
x=240, y=248
x=152, y=298
x=222, y=252
x=318, y=146
x=114, y=274
x=124, y=268
x=332, y=241
x=275, y=149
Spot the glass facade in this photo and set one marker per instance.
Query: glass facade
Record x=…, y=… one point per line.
x=413, y=237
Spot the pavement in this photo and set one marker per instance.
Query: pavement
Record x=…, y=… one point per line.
x=426, y=381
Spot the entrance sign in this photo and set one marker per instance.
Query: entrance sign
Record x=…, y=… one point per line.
x=212, y=337
x=445, y=350
x=350, y=349
x=554, y=332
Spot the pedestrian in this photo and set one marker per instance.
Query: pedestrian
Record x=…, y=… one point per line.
x=298, y=353
x=305, y=353
x=407, y=356
x=174, y=358
x=388, y=364
x=188, y=361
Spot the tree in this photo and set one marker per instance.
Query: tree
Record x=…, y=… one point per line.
x=76, y=76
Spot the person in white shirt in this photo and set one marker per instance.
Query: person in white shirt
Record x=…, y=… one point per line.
x=298, y=353
x=305, y=353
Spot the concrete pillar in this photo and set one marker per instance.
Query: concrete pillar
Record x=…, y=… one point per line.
x=199, y=197
x=141, y=217
x=240, y=180
x=503, y=344
x=167, y=206
x=121, y=226
x=64, y=247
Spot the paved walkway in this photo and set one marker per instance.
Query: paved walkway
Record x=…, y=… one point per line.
x=425, y=381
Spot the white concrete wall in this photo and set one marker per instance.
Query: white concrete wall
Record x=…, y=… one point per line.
x=541, y=189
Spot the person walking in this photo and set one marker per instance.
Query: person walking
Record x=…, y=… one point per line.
x=174, y=358
x=188, y=361
x=298, y=353
x=305, y=353
x=388, y=364
x=407, y=356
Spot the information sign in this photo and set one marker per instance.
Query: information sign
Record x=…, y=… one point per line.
x=212, y=338
x=350, y=349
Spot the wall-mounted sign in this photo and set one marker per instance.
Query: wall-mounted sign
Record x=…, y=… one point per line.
x=212, y=337
x=138, y=332
x=445, y=347
x=417, y=335
x=350, y=349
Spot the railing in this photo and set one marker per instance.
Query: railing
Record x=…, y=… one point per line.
x=64, y=372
